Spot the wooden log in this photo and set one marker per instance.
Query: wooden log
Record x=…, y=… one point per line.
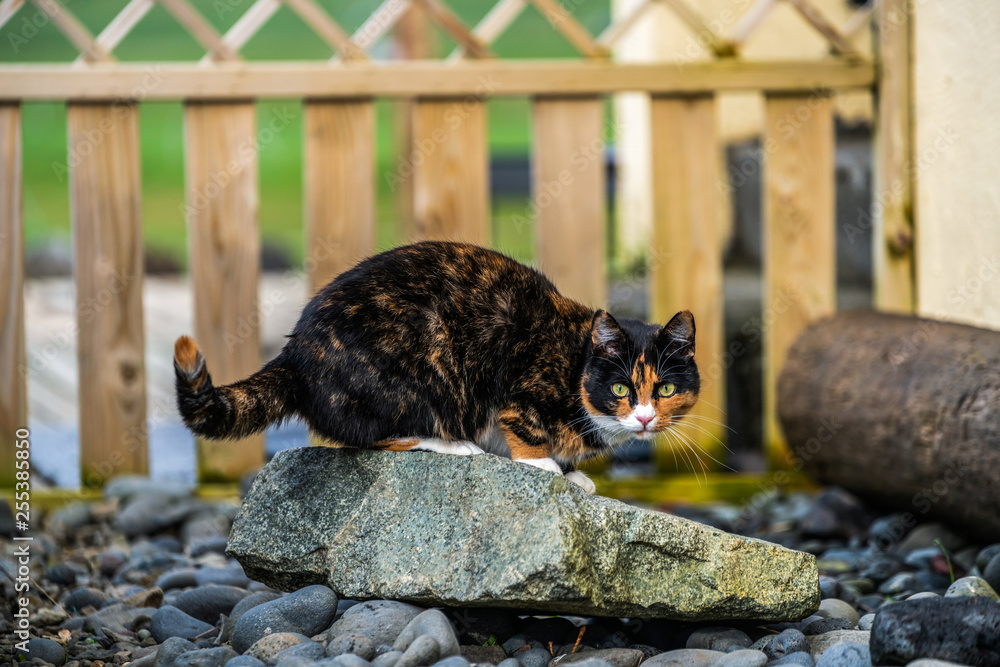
x=105, y=196
x=799, y=235
x=221, y=166
x=685, y=259
x=901, y=410
x=339, y=186
x=13, y=383
x=449, y=159
x=569, y=192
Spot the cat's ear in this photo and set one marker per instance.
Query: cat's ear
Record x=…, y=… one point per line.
x=679, y=330
x=606, y=335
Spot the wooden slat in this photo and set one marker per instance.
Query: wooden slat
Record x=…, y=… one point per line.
x=13, y=383
x=200, y=29
x=339, y=186
x=493, y=24
x=327, y=29
x=685, y=259
x=618, y=29
x=248, y=25
x=7, y=10
x=236, y=80
x=702, y=28
x=563, y=20
x=816, y=19
x=105, y=196
x=444, y=17
x=569, y=195
x=449, y=159
x=858, y=20
x=892, y=208
x=799, y=239
x=225, y=262
x=74, y=31
x=122, y=24
x=380, y=22
x=751, y=18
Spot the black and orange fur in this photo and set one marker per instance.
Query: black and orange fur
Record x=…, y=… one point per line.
x=458, y=343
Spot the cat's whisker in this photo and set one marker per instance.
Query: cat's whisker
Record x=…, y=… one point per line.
x=694, y=443
x=684, y=447
x=709, y=434
x=688, y=417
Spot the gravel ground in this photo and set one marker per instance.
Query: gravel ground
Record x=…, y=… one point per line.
x=142, y=578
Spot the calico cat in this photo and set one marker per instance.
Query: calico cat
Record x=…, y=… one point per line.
x=453, y=348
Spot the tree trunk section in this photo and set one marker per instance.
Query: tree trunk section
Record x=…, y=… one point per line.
x=900, y=410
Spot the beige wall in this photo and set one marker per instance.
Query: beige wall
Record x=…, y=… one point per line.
x=957, y=159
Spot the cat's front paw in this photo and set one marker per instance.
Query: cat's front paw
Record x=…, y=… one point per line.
x=582, y=481
x=545, y=464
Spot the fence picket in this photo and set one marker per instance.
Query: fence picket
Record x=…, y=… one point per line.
x=105, y=212
x=221, y=166
x=799, y=239
x=13, y=385
x=685, y=258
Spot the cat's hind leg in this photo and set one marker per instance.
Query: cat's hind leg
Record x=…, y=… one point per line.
x=436, y=445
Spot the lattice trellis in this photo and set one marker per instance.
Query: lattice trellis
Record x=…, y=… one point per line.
x=472, y=42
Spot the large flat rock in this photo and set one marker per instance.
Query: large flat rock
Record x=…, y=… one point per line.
x=435, y=529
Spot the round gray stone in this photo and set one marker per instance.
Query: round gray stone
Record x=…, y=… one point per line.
x=307, y=611
x=170, y=621
x=433, y=623
x=311, y=651
x=742, y=658
x=845, y=655
x=245, y=661
x=718, y=639
x=800, y=658
x=47, y=650
x=171, y=649
x=839, y=609
x=358, y=645
x=207, y=603
x=381, y=621
x=84, y=597
x=512, y=662
x=534, y=657
x=787, y=641
x=267, y=647
x=971, y=587
x=210, y=657
x=865, y=622
x=453, y=661
x=388, y=659
x=423, y=650
x=686, y=657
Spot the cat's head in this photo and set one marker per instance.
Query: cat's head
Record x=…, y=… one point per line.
x=638, y=378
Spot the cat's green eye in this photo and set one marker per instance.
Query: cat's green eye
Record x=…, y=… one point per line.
x=619, y=390
x=667, y=389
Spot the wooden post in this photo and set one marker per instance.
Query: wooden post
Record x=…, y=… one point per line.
x=221, y=166
x=105, y=196
x=449, y=159
x=799, y=236
x=892, y=208
x=685, y=258
x=569, y=184
x=13, y=384
x=339, y=186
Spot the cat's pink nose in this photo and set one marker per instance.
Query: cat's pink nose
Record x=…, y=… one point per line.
x=644, y=421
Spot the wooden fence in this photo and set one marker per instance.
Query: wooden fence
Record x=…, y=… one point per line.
x=450, y=182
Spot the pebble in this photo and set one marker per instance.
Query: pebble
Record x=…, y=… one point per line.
x=865, y=623
x=206, y=603
x=180, y=578
x=245, y=661
x=172, y=622
x=358, y=645
x=718, y=639
x=421, y=650
x=925, y=594
x=46, y=649
x=928, y=535
x=380, y=620
x=787, y=641
x=971, y=587
x=845, y=655
x=209, y=657
x=431, y=623
x=204, y=545
x=265, y=648
x=931, y=662
x=388, y=659
x=590, y=662
x=346, y=660
x=823, y=625
x=534, y=657
x=685, y=657
x=84, y=597
x=61, y=574
x=171, y=649
x=986, y=555
x=616, y=657
x=991, y=573
x=964, y=630
x=232, y=575
x=511, y=662
x=310, y=650
x=453, y=661
x=800, y=658
x=742, y=658
x=901, y=583
x=307, y=611
x=476, y=654
x=820, y=643
x=840, y=609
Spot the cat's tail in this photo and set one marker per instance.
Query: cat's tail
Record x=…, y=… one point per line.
x=234, y=410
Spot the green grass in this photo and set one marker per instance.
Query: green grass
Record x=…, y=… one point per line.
x=159, y=38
